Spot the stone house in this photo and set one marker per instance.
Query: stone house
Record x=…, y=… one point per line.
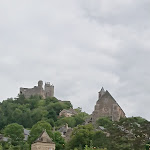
x=66, y=132
x=44, y=142
x=67, y=113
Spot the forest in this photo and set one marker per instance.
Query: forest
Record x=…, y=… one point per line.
x=36, y=114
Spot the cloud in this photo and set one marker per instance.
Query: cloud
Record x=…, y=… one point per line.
x=79, y=46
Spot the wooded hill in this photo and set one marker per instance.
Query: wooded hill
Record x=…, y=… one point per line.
x=37, y=114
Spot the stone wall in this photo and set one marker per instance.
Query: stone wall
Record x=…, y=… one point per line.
x=106, y=106
x=48, y=91
x=42, y=146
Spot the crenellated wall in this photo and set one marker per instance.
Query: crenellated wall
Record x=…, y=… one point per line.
x=48, y=91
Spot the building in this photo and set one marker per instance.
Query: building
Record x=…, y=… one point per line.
x=67, y=112
x=6, y=139
x=66, y=132
x=107, y=106
x=44, y=142
x=26, y=134
x=3, y=139
x=48, y=90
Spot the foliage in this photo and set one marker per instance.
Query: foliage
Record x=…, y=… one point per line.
x=1, y=148
x=59, y=141
x=93, y=148
x=15, y=132
x=72, y=121
x=100, y=140
x=129, y=133
x=81, y=136
x=28, y=112
x=39, y=114
x=105, y=122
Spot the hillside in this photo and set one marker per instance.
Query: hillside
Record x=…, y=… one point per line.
x=35, y=114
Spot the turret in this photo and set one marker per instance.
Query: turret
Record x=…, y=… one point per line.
x=40, y=83
x=49, y=90
x=101, y=93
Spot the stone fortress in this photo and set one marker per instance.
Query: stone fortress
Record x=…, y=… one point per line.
x=106, y=106
x=48, y=90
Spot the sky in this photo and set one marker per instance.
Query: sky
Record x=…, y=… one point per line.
x=79, y=46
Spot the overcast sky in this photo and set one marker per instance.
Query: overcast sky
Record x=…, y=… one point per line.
x=79, y=46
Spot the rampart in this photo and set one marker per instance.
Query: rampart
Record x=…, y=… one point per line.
x=48, y=90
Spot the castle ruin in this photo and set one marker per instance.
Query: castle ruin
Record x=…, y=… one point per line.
x=106, y=106
x=48, y=90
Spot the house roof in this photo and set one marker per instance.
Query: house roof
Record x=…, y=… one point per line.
x=44, y=138
x=71, y=111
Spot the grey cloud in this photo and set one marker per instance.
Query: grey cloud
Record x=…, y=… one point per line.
x=79, y=46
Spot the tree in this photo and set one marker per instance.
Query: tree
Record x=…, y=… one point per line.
x=81, y=136
x=129, y=133
x=93, y=148
x=17, y=116
x=15, y=132
x=69, y=120
x=105, y=122
x=1, y=147
x=59, y=141
x=52, y=114
x=100, y=140
x=80, y=118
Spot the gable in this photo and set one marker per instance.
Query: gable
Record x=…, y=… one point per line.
x=108, y=101
x=44, y=138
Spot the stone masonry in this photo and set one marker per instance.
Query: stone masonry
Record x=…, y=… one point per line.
x=48, y=90
x=44, y=142
x=106, y=106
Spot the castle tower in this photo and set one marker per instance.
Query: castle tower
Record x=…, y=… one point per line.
x=49, y=90
x=40, y=83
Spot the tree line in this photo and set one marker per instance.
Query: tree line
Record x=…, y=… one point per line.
x=37, y=114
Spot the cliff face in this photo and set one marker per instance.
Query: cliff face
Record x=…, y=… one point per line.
x=106, y=106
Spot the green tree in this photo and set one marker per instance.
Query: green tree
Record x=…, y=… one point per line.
x=80, y=118
x=93, y=148
x=81, y=136
x=100, y=140
x=69, y=120
x=105, y=122
x=59, y=141
x=15, y=132
x=1, y=148
x=17, y=116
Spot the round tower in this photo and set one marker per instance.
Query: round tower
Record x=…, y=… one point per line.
x=40, y=83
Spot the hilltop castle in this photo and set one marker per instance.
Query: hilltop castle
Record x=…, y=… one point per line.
x=48, y=90
x=106, y=106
